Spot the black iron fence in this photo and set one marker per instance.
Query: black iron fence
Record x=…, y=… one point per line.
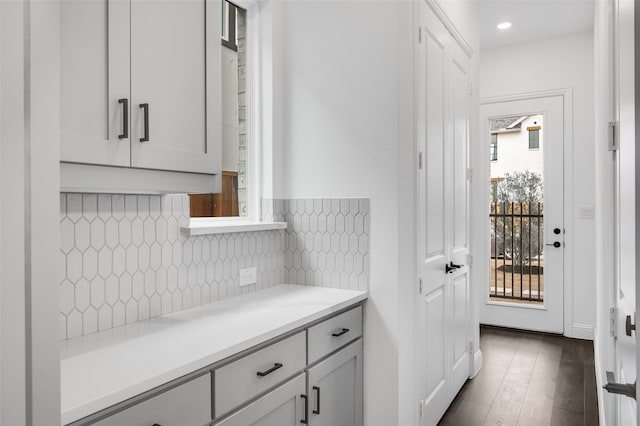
x=517, y=258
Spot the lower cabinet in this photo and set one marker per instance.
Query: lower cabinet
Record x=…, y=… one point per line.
x=271, y=386
x=335, y=389
x=285, y=406
x=186, y=405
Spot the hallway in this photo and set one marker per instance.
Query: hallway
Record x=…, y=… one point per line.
x=528, y=379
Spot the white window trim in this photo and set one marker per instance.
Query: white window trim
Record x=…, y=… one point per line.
x=255, y=139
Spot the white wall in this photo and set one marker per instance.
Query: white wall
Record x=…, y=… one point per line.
x=553, y=64
x=343, y=126
x=339, y=135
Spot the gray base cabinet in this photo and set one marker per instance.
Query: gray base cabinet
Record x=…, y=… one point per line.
x=280, y=383
x=284, y=406
x=186, y=405
x=335, y=389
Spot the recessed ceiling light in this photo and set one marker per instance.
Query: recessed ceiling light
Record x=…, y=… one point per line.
x=504, y=25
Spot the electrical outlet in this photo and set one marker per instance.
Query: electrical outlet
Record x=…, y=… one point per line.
x=248, y=276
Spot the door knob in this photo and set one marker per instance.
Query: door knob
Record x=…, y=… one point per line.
x=626, y=389
x=556, y=244
x=628, y=326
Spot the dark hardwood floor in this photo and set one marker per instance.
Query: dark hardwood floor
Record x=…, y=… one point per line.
x=528, y=379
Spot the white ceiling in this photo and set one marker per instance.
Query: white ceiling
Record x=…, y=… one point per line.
x=532, y=20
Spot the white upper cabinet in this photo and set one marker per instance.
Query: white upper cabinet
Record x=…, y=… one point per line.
x=94, y=61
x=141, y=83
x=175, y=72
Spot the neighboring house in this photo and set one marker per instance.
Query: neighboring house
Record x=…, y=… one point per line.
x=516, y=145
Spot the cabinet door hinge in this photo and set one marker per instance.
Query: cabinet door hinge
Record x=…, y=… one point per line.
x=613, y=138
x=613, y=319
x=420, y=160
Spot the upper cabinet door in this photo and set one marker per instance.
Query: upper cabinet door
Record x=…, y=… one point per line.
x=176, y=85
x=94, y=61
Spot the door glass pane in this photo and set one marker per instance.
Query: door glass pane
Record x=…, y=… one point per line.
x=516, y=215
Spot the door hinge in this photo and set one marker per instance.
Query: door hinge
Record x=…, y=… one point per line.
x=471, y=347
x=469, y=260
x=613, y=139
x=613, y=315
x=470, y=89
x=420, y=160
x=421, y=408
x=469, y=174
x=420, y=286
x=420, y=35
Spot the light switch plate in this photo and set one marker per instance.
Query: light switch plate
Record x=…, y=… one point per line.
x=248, y=276
x=586, y=212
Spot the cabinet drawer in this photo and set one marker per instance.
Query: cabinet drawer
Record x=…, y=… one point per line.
x=186, y=405
x=333, y=333
x=253, y=374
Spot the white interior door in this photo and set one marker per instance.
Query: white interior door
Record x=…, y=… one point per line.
x=94, y=78
x=625, y=194
x=176, y=85
x=548, y=316
x=443, y=215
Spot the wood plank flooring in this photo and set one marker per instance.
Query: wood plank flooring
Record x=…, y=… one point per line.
x=528, y=379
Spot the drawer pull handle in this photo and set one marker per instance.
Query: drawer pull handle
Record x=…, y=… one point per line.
x=340, y=333
x=269, y=371
x=306, y=410
x=317, y=410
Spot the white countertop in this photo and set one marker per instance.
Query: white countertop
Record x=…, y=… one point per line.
x=105, y=368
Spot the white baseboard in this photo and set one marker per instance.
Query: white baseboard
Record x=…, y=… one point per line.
x=477, y=362
x=581, y=331
x=599, y=381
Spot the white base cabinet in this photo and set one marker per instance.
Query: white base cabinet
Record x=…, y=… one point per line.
x=335, y=389
x=284, y=406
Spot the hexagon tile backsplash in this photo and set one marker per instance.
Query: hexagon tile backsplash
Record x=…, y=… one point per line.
x=124, y=259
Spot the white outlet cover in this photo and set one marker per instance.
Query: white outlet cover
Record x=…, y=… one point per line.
x=248, y=276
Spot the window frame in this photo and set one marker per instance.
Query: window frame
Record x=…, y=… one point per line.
x=537, y=130
x=254, y=85
x=493, y=147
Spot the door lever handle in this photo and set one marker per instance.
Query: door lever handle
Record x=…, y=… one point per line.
x=628, y=326
x=450, y=267
x=626, y=389
x=556, y=244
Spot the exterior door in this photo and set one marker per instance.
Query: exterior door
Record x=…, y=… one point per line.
x=282, y=407
x=335, y=389
x=443, y=215
x=94, y=77
x=176, y=85
x=549, y=315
